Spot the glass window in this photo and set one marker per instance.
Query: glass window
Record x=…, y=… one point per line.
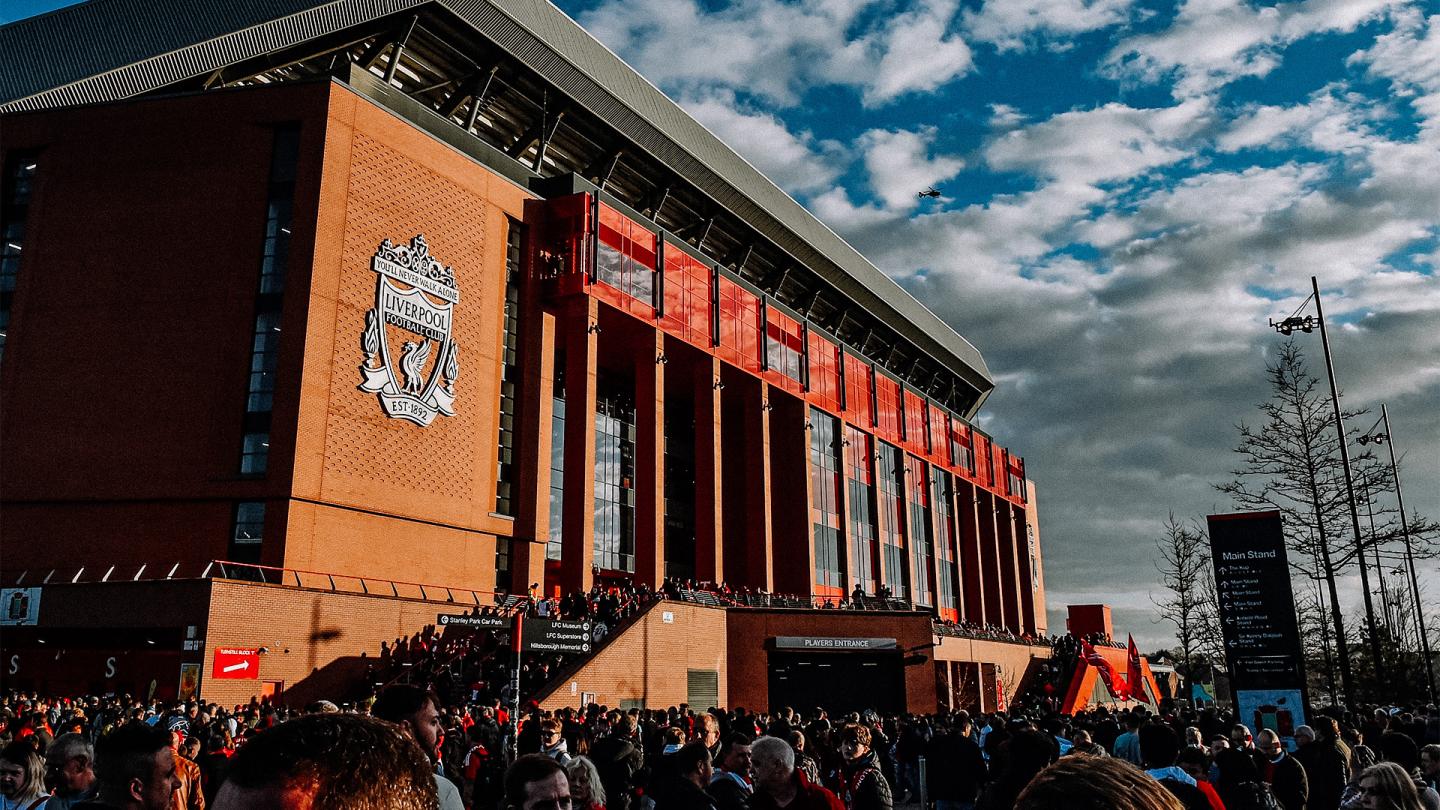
x=825, y=501
x=14, y=209
x=255, y=453
x=554, y=545
x=917, y=497
x=942, y=488
x=614, y=477
x=785, y=345
x=264, y=353
x=509, y=373
x=248, y=532
x=860, y=497
x=891, y=518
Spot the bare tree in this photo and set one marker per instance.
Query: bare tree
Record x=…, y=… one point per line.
x=1291, y=463
x=1183, y=562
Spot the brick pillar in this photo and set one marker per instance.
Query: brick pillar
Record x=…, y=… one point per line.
x=650, y=463
x=536, y=412
x=578, y=518
x=709, y=548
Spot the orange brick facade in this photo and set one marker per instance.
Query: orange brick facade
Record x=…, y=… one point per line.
x=125, y=380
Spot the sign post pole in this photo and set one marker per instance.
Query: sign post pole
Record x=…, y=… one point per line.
x=515, y=647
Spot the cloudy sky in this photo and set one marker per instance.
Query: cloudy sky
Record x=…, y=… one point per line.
x=1129, y=191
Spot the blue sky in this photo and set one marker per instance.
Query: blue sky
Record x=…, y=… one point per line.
x=1129, y=191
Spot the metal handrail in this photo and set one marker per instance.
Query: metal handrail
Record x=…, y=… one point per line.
x=268, y=574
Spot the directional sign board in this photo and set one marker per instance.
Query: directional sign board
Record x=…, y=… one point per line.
x=478, y=622
x=1257, y=618
x=545, y=635
x=233, y=663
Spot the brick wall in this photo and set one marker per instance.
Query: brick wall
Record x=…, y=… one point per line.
x=316, y=627
x=650, y=660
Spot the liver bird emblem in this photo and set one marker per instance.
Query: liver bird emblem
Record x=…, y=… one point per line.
x=412, y=364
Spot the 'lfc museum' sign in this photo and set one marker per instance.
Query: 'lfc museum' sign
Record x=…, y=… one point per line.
x=415, y=293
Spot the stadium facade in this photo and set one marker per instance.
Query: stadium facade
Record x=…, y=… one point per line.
x=321, y=319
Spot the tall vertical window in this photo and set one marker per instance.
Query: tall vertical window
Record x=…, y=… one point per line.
x=509, y=374
x=265, y=340
x=961, y=454
x=825, y=501
x=248, y=532
x=14, y=209
x=679, y=490
x=922, y=547
x=553, y=545
x=614, y=476
x=889, y=471
x=860, y=497
x=947, y=586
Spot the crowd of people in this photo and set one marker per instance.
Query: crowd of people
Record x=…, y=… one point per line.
x=409, y=747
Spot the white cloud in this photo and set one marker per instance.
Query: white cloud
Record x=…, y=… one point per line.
x=797, y=162
x=1332, y=120
x=899, y=165
x=1013, y=25
x=1213, y=42
x=1110, y=142
x=778, y=50
x=1409, y=56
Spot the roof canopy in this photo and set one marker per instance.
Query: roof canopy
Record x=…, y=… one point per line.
x=525, y=79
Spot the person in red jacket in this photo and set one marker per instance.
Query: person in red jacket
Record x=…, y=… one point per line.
x=778, y=784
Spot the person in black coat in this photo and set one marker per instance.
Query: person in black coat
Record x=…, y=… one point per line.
x=1283, y=772
x=618, y=757
x=680, y=779
x=957, y=767
x=863, y=784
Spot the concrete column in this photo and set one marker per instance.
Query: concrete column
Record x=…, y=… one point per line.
x=581, y=351
x=650, y=463
x=709, y=531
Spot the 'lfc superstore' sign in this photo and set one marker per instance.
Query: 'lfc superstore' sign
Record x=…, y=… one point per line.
x=415, y=293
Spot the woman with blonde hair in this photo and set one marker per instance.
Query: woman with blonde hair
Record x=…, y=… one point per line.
x=1095, y=783
x=22, y=777
x=1386, y=786
x=585, y=789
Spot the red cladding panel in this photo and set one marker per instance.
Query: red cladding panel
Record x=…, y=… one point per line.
x=887, y=408
x=859, y=380
x=939, y=436
x=626, y=263
x=562, y=243
x=824, y=373
x=785, y=350
x=915, y=434
x=739, y=326
x=687, y=298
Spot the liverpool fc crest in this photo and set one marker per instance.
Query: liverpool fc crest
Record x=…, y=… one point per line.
x=413, y=366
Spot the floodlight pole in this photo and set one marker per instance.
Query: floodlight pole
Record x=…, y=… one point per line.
x=1375, y=656
x=1409, y=556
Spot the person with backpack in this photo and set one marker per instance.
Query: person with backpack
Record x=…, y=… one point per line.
x=1239, y=783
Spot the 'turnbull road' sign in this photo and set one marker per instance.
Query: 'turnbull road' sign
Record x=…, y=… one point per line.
x=416, y=294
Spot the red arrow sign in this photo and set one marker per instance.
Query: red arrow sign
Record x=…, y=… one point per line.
x=236, y=663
